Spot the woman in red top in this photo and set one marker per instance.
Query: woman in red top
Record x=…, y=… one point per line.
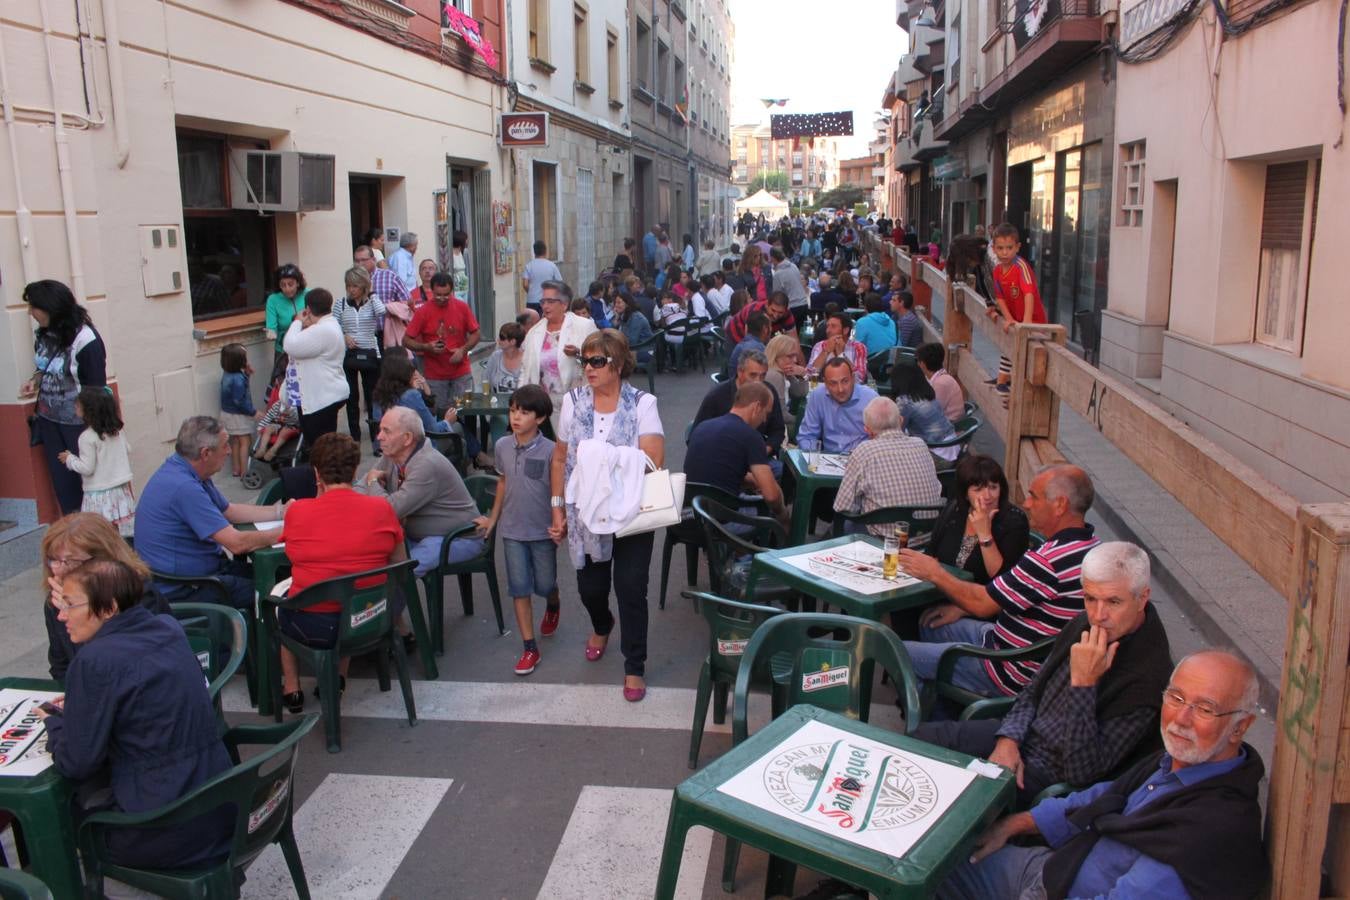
x=339, y=532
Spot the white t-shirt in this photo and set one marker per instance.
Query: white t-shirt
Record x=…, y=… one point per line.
x=649, y=419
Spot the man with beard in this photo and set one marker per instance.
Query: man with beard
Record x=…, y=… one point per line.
x=1182, y=823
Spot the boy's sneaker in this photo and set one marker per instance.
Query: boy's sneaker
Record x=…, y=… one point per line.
x=550, y=623
x=1003, y=388
x=528, y=660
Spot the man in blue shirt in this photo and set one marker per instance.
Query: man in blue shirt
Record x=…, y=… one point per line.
x=184, y=524
x=758, y=330
x=833, y=421
x=1186, y=823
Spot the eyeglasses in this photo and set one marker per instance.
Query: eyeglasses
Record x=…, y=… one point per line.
x=596, y=362
x=1203, y=709
x=67, y=562
x=552, y=300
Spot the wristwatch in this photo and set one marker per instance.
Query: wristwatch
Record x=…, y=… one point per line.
x=555, y=502
x=987, y=542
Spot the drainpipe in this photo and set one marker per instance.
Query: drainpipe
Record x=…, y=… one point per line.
x=22, y=214
x=68, y=207
x=113, y=41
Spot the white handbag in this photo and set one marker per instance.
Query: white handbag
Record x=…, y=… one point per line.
x=662, y=501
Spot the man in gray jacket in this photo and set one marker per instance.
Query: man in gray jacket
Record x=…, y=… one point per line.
x=427, y=494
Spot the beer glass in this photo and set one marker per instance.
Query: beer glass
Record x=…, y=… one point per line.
x=890, y=558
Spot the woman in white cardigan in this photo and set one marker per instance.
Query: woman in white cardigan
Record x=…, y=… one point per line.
x=553, y=345
x=316, y=347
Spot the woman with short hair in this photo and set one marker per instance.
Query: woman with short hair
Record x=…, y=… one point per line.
x=503, y=367
x=607, y=408
x=316, y=346
x=359, y=314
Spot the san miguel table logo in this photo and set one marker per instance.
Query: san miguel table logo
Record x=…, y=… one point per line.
x=851, y=787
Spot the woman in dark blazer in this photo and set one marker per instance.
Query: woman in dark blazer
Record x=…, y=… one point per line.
x=980, y=530
x=136, y=713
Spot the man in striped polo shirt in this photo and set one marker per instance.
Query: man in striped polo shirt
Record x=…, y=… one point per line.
x=1033, y=600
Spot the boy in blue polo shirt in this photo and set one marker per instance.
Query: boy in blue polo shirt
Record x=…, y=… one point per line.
x=522, y=515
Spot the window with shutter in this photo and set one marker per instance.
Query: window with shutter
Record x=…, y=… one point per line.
x=1287, y=214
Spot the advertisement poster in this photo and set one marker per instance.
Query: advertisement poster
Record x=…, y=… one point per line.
x=502, y=249
x=856, y=566
x=23, y=734
x=850, y=787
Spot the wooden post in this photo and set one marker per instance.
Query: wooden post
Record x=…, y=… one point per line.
x=1033, y=409
x=1310, y=776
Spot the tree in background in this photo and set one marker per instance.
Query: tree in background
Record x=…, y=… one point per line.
x=775, y=182
x=844, y=196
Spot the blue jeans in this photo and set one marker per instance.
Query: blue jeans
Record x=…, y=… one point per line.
x=531, y=565
x=969, y=673
x=427, y=552
x=1014, y=872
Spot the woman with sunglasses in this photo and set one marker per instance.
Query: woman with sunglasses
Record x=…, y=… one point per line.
x=69, y=543
x=608, y=408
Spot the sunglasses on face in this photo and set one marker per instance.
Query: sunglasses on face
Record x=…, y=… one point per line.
x=596, y=362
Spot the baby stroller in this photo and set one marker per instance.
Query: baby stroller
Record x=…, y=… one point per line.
x=277, y=444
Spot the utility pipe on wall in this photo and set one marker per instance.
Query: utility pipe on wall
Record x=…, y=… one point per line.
x=68, y=207
x=113, y=40
x=23, y=216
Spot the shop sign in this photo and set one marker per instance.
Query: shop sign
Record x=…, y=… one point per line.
x=949, y=168
x=524, y=129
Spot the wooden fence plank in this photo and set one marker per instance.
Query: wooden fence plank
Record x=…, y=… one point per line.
x=1242, y=508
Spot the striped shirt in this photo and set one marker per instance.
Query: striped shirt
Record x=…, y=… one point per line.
x=361, y=323
x=1037, y=597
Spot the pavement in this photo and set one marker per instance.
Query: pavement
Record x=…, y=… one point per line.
x=548, y=786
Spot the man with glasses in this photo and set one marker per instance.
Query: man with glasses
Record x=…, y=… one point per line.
x=1185, y=822
x=184, y=524
x=442, y=333
x=384, y=283
x=1094, y=703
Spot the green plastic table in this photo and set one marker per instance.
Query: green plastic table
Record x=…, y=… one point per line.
x=808, y=483
x=480, y=405
x=42, y=805
x=916, y=874
x=769, y=565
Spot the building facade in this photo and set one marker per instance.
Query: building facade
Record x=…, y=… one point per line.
x=679, y=109
x=1225, y=292
x=208, y=142
x=570, y=60
x=809, y=168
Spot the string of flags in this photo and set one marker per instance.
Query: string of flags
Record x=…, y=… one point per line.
x=768, y=102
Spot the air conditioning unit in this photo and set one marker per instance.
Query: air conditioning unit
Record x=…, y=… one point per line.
x=281, y=180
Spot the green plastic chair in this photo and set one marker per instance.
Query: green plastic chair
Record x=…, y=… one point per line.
x=451, y=445
x=271, y=492
x=365, y=625
x=971, y=704
x=648, y=367
x=724, y=547
x=262, y=792
x=817, y=644
x=921, y=519
x=483, y=489
x=217, y=587
x=17, y=885
x=210, y=629
x=690, y=533
x=731, y=624
x=965, y=431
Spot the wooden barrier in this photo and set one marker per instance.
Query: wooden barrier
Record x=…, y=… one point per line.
x=1302, y=551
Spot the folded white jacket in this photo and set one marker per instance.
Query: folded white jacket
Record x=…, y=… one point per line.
x=606, y=485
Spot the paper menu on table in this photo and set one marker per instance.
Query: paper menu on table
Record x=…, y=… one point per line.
x=269, y=525
x=826, y=463
x=856, y=566
x=851, y=787
x=23, y=734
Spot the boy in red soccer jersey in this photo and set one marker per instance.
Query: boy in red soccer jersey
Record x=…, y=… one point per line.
x=1016, y=296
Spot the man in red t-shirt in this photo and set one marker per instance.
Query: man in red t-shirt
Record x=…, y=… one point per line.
x=1016, y=296
x=776, y=308
x=443, y=332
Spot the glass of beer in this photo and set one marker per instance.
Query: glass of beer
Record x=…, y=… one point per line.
x=902, y=534
x=890, y=557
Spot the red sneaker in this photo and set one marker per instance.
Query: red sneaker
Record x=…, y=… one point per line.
x=550, y=623
x=528, y=660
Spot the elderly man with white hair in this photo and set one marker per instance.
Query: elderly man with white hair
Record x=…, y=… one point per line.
x=427, y=494
x=403, y=261
x=890, y=468
x=1094, y=703
x=1185, y=822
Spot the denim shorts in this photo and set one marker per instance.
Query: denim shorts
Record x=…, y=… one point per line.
x=531, y=564
x=319, y=630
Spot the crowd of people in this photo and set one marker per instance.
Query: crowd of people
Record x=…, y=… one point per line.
x=1146, y=746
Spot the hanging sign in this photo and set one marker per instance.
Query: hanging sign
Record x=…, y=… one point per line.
x=528, y=129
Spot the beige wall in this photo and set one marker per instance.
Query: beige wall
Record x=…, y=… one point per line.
x=255, y=68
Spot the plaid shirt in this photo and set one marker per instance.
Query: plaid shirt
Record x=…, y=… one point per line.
x=891, y=469
x=388, y=286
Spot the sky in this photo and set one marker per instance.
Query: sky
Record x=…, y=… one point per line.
x=820, y=56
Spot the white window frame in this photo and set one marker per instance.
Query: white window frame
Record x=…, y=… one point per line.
x=1133, y=157
x=1292, y=344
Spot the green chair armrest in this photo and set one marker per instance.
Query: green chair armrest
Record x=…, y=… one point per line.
x=1031, y=653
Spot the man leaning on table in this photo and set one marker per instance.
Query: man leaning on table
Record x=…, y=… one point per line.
x=833, y=420
x=1182, y=823
x=184, y=525
x=889, y=469
x=1033, y=600
x=1094, y=703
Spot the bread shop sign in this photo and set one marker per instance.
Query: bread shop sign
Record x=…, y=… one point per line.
x=524, y=129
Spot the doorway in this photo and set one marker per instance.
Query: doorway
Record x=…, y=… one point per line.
x=545, y=202
x=1161, y=253
x=366, y=209
x=1019, y=199
x=1075, y=284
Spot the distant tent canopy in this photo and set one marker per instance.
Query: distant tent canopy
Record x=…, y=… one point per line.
x=763, y=202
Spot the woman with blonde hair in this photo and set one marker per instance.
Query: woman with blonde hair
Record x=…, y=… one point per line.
x=359, y=314
x=787, y=374
x=69, y=543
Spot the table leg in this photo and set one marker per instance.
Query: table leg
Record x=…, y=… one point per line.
x=671, y=856
x=801, y=513
x=419, y=625
x=264, y=628
x=782, y=873
x=50, y=839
